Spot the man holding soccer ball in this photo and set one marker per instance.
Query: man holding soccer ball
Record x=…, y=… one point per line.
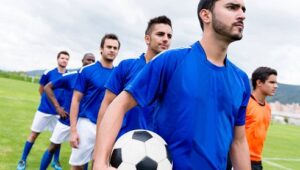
x=202, y=96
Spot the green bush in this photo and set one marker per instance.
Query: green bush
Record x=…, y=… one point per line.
x=19, y=76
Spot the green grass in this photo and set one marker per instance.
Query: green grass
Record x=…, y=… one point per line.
x=283, y=142
x=18, y=103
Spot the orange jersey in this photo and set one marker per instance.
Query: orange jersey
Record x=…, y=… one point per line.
x=258, y=119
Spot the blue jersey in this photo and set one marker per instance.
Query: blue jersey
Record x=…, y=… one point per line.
x=67, y=83
x=45, y=105
x=137, y=117
x=198, y=105
x=90, y=82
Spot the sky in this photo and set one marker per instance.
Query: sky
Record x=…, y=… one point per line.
x=33, y=32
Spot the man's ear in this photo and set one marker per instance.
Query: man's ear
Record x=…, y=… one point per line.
x=147, y=39
x=259, y=83
x=205, y=16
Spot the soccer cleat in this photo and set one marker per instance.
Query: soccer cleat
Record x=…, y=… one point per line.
x=56, y=165
x=21, y=165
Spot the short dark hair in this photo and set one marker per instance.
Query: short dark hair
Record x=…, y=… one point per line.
x=88, y=54
x=157, y=20
x=262, y=74
x=205, y=4
x=62, y=52
x=109, y=36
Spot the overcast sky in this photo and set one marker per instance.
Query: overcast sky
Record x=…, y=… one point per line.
x=33, y=32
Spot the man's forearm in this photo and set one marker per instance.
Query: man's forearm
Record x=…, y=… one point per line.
x=239, y=154
x=74, y=115
x=110, y=126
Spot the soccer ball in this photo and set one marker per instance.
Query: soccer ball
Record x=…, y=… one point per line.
x=140, y=150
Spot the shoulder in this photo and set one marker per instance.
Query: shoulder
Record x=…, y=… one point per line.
x=172, y=57
x=252, y=103
x=70, y=73
x=268, y=106
x=87, y=67
x=48, y=71
x=177, y=53
x=238, y=71
x=127, y=62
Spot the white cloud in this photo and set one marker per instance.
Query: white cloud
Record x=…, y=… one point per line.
x=33, y=32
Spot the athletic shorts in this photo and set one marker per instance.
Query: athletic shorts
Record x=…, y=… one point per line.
x=60, y=134
x=43, y=121
x=87, y=136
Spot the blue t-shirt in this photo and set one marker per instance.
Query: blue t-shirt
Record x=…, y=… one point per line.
x=137, y=117
x=67, y=83
x=45, y=105
x=198, y=105
x=90, y=82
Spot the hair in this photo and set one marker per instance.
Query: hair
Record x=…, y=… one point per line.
x=88, y=54
x=262, y=74
x=157, y=20
x=205, y=4
x=109, y=36
x=62, y=52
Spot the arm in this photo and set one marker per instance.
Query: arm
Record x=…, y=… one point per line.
x=239, y=152
x=74, y=138
x=108, y=98
x=50, y=94
x=41, y=89
x=110, y=126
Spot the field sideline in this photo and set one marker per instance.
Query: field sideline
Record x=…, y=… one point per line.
x=18, y=103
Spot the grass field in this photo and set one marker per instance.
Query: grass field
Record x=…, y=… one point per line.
x=18, y=103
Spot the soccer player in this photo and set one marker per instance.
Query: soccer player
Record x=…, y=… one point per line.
x=158, y=37
x=258, y=113
x=201, y=95
x=88, y=93
x=46, y=116
x=61, y=131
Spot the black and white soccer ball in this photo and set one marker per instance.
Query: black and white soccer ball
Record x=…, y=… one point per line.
x=140, y=150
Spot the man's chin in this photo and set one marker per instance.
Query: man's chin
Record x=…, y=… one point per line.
x=63, y=66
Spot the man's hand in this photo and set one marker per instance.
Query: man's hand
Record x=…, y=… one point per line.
x=61, y=112
x=106, y=167
x=74, y=139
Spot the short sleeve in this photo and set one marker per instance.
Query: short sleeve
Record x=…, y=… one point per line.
x=240, y=121
x=115, y=83
x=149, y=84
x=81, y=81
x=44, y=78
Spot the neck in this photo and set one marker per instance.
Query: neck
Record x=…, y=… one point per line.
x=149, y=55
x=215, y=48
x=106, y=63
x=259, y=97
x=61, y=69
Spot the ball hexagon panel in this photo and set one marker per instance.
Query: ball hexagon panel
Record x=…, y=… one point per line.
x=164, y=165
x=133, y=151
x=155, y=149
x=126, y=166
x=141, y=136
x=147, y=164
x=117, y=158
